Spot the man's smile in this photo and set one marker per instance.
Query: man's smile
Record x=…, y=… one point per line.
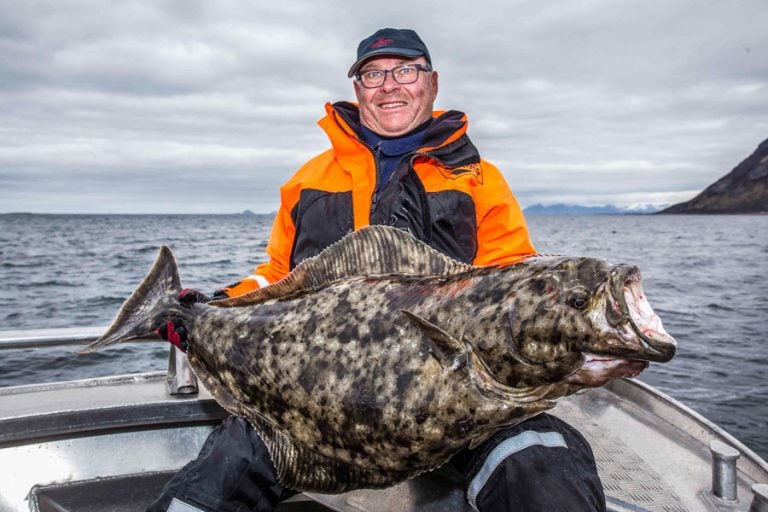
x=392, y=104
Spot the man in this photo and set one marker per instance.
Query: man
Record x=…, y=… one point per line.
x=394, y=161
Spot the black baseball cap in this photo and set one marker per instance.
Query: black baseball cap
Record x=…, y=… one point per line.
x=390, y=41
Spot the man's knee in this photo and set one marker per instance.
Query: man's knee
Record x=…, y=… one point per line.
x=541, y=464
x=232, y=472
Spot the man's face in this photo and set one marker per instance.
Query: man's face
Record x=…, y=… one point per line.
x=395, y=109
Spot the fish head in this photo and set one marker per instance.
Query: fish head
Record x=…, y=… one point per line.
x=627, y=325
x=584, y=320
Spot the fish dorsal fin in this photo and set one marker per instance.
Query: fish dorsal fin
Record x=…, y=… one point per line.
x=370, y=251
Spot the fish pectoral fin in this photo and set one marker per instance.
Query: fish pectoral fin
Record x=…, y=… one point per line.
x=449, y=350
x=457, y=354
x=490, y=387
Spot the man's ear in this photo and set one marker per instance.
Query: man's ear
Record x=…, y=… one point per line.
x=357, y=90
x=434, y=81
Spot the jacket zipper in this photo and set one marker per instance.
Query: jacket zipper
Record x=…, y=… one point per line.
x=376, y=154
x=374, y=151
x=410, y=157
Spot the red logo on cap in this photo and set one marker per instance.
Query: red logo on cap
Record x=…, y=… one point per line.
x=382, y=41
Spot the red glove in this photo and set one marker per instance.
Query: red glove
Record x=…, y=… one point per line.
x=175, y=333
x=174, y=330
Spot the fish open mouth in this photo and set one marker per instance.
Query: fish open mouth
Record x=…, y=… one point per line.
x=599, y=370
x=647, y=325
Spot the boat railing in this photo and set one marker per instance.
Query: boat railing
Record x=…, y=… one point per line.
x=180, y=380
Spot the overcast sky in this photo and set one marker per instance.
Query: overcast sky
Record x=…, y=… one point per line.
x=208, y=106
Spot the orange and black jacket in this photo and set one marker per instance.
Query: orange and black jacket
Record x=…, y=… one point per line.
x=444, y=194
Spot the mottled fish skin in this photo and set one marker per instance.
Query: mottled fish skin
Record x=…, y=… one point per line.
x=380, y=358
x=376, y=398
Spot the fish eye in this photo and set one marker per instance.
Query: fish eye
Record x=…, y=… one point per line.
x=578, y=299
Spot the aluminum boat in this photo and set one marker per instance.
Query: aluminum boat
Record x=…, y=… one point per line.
x=109, y=444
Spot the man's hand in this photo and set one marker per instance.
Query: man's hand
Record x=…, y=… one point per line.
x=174, y=331
x=220, y=294
x=189, y=296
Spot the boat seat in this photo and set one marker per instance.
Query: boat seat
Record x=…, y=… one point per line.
x=129, y=493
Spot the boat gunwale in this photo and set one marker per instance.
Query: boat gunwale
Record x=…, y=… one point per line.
x=690, y=422
x=634, y=392
x=102, y=412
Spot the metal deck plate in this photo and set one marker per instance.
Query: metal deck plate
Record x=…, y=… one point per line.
x=649, y=457
x=625, y=475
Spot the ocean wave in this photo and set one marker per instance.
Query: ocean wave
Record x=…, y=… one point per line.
x=50, y=283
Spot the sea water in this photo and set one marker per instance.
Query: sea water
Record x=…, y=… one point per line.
x=705, y=276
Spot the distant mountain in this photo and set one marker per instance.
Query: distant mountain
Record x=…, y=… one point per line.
x=574, y=209
x=743, y=190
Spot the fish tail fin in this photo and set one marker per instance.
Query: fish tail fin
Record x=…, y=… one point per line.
x=138, y=315
x=455, y=353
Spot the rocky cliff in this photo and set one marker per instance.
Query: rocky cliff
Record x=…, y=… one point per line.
x=743, y=190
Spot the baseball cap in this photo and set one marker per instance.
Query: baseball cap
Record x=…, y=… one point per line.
x=390, y=41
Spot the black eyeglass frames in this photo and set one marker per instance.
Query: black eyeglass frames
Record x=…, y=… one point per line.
x=405, y=74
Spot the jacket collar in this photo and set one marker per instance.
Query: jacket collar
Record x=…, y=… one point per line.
x=445, y=140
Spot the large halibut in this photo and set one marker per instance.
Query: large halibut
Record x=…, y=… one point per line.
x=380, y=358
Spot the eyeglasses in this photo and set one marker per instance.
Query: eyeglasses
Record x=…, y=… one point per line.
x=403, y=75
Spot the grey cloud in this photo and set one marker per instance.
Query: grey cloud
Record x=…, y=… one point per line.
x=623, y=101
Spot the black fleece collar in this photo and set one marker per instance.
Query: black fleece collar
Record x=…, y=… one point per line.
x=439, y=130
